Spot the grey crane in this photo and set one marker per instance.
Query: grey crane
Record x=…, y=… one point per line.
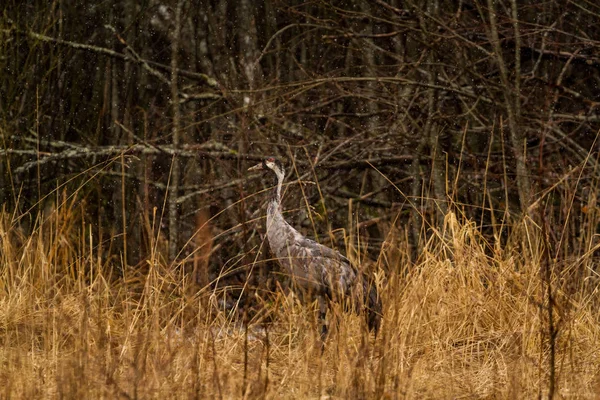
x=316, y=269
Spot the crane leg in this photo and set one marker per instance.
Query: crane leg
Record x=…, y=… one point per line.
x=323, y=320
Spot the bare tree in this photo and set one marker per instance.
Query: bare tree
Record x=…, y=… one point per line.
x=391, y=101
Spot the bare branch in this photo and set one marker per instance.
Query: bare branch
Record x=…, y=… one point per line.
x=111, y=53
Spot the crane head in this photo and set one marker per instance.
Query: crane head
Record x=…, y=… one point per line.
x=269, y=163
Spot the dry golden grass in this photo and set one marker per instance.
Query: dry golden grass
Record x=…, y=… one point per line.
x=467, y=321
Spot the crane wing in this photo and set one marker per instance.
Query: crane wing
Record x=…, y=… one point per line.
x=337, y=273
x=318, y=250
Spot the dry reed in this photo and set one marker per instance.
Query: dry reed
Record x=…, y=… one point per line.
x=467, y=320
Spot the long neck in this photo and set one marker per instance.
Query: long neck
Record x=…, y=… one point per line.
x=276, y=196
x=279, y=232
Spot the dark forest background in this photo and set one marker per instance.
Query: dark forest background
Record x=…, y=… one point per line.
x=145, y=115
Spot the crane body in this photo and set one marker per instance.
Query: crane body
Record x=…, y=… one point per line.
x=314, y=268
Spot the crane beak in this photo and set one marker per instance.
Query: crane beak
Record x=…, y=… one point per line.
x=256, y=167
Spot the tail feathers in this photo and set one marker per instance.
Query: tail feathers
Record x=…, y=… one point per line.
x=364, y=299
x=373, y=307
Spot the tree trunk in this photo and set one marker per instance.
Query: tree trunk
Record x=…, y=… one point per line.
x=512, y=100
x=176, y=139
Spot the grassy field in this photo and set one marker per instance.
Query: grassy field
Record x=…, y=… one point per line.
x=468, y=320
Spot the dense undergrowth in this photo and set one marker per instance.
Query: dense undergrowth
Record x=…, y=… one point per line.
x=469, y=319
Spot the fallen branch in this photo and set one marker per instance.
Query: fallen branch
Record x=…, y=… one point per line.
x=210, y=148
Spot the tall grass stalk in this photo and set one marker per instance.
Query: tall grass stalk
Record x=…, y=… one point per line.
x=463, y=321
